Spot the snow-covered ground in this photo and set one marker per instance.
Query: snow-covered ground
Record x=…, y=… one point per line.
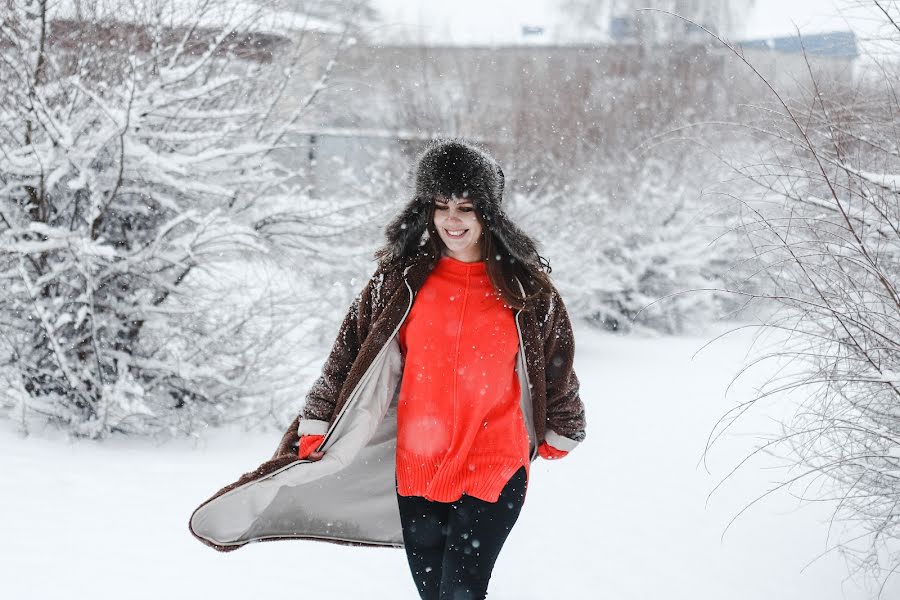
x=623, y=517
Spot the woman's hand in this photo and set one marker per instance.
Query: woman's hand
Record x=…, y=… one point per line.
x=308, y=443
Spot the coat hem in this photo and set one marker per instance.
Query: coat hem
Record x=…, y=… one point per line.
x=275, y=538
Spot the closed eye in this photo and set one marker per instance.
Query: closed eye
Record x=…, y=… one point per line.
x=462, y=209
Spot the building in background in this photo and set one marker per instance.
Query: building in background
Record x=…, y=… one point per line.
x=628, y=21
x=787, y=60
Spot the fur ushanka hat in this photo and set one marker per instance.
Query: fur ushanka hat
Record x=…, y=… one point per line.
x=455, y=166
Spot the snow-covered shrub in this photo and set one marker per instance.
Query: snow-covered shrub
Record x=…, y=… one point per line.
x=645, y=252
x=624, y=220
x=136, y=170
x=824, y=223
x=622, y=208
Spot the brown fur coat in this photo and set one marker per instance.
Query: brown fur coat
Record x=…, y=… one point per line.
x=286, y=497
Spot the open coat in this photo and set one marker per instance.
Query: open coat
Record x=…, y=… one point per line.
x=348, y=496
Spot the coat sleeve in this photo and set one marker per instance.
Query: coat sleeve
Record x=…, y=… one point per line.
x=565, y=426
x=321, y=399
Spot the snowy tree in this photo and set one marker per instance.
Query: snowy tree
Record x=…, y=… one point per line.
x=824, y=222
x=137, y=159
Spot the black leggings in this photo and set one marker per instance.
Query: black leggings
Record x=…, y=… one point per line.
x=452, y=546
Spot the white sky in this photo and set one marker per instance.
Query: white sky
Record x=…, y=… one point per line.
x=500, y=21
x=777, y=17
x=462, y=21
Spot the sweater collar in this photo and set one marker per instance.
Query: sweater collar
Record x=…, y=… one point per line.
x=448, y=264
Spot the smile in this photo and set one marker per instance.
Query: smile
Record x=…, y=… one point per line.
x=457, y=233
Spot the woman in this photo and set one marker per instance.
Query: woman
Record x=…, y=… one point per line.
x=452, y=371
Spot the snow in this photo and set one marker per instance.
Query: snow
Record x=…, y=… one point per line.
x=625, y=516
x=891, y=182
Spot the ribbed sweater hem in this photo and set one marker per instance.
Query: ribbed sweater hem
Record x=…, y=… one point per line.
x=439, y=480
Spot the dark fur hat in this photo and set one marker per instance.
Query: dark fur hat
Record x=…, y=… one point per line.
x=455, y=166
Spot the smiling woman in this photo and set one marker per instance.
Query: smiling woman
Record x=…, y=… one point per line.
x=459, y=228
x=452, y=370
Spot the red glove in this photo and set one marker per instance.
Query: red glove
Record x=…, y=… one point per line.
x=549, y=452
x=308, y=443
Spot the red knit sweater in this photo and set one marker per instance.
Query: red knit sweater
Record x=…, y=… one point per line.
x=459, y=425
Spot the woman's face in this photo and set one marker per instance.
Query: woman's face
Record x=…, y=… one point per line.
x=458, y=228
